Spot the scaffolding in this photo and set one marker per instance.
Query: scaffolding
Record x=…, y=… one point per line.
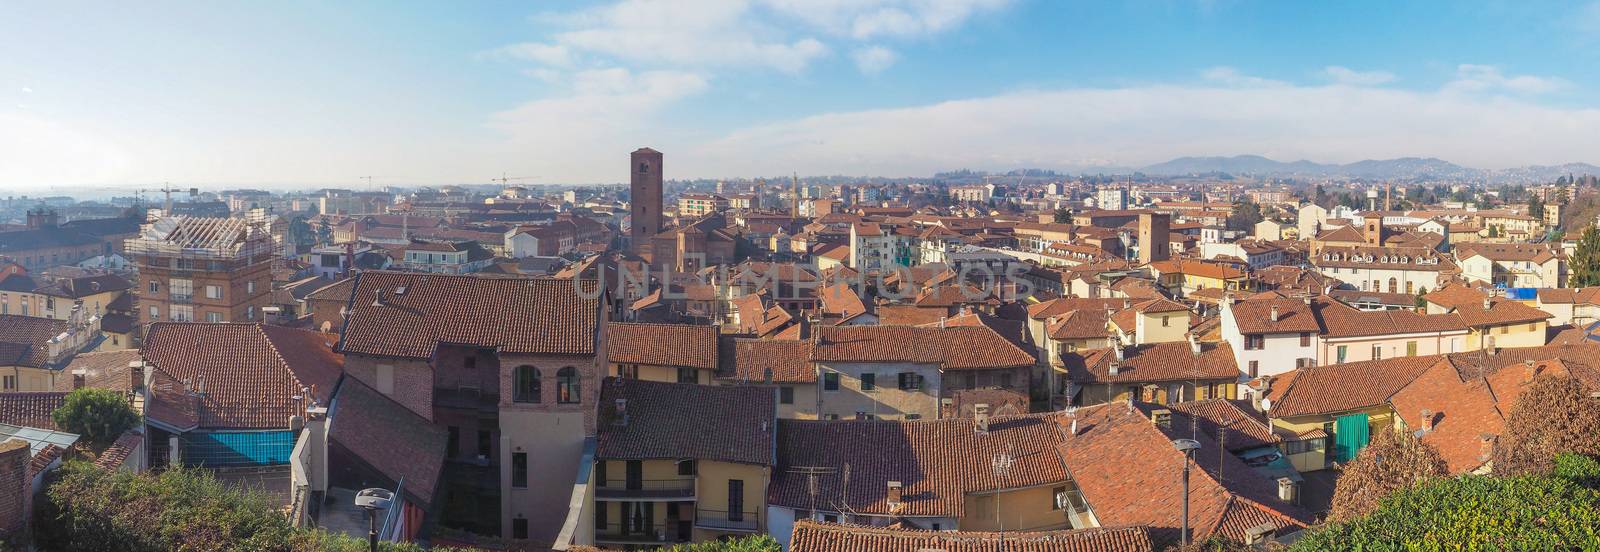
x=202, y=238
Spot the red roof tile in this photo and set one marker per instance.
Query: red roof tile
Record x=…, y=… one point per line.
x=693, y=346
x=1152, y=363
x=23, y=339
x=727, y=423
x=1344, y=387
x=247, y=375
x=31, y=409
x=389, y=437
x=811, y=536
x=953, y=348
x=515, y=315
x=1245, y=428
x=749, y=360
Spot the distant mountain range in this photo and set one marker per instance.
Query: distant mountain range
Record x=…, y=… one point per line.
x=1404, y=168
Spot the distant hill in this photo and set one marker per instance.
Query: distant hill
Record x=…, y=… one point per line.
x=1404, y=168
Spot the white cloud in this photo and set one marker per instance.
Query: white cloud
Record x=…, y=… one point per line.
x=1352, y=77
x=867, y=19
x=1488, y=78
x=548, y=54
x=872, y=60
x=682, y=33
x=26, y=90
x=1232, y=77
x=1144, y=124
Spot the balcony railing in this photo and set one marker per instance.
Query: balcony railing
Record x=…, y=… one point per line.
x=660, y=489
x=670, y=532
x=719, y=520
x=182, y=297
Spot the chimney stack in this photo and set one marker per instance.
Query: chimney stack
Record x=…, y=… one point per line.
x=1486, y=442
x=621, y=413
x=980, y=417
x=1427, y=420
x=1273, y=316
x=894, y=493
x=1288, y=491
x=1116, y=366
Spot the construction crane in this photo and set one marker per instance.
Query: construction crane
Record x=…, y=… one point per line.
x=507, y=180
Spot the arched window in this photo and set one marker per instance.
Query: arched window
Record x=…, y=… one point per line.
x=527, y=385
x=1394, y=286
x=568, y=388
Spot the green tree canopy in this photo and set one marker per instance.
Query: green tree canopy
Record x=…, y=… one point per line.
x=1062, y=215
x=1585, y=262
x=99, y=415
x=1535, y=207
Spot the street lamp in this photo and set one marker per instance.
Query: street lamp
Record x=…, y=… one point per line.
x=373, y=500
x=1187, y=447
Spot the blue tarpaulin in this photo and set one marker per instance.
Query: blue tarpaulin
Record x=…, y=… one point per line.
x=237, y=448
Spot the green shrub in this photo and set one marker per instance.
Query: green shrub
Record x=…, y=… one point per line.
x=99, y=415
x=86, y=508
x=1581, y=469
x=753, y=543
x=1473, y=513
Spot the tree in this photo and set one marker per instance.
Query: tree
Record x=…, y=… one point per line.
x=1245, y=216
x=754, y=543
x=1472, y=512
x=1585, y=262
x=1319, y=196
x=1395, y=461
x=1062, y=215
x=1535, y=207
x=1554, y=415
x=99, y=415
x=1422, y=303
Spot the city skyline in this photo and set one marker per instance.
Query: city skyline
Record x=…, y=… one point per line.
x=318, y=95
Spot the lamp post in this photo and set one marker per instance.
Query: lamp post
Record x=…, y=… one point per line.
x=373, y=500
x=1187, y=447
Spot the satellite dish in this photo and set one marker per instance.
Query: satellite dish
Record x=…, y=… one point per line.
x=1266, y=404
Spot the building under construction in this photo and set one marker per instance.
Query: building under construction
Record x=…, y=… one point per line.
x=203, y=269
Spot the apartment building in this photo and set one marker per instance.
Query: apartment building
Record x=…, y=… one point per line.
x=900, y=372
x=675, y=353
x=1533, y=265
x=203, y=269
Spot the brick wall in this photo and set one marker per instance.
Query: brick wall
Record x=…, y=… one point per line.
x=16, y=488
x=413, y=380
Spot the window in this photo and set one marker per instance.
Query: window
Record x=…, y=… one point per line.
x=830, y=381
x=1135, y=393
x=181, y=288
x=1305, y=339
x=384, y=374
x=688, y=375
x=1255, y=368
x=182, y=313
x=519, y=470
x=485, y=442
x=1342, y=350
x=470, y=363
x=785, y=395
x=250, y=312
x=1058, y=498
x=519, y=526
x=1006, y=379
x=250, y=286
x=735, y=500
x=1254, y=342
x=1411, y=348
x=568, y=389
x=527, y=385
x=213, y=317
x=869, y=382
x=1533, y=326
x=628, y=371
x=10, y=383
x=600, y=473
x=213, y=292
x=686, y=467
x=1377, y=352
x=155, y=287
x=1166, y=320
x=971, y=381
x=155, y=312
x=453, y=446
x=909, y=381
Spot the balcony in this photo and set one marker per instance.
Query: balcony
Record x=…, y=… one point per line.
x=181, y=297
x=717, y=520
x=632, y=533
x=652, y=490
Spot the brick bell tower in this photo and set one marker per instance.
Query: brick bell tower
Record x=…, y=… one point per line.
x=645, y=203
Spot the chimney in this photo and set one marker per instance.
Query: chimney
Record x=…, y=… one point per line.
x=980, y=417
x=1487, y=304
x=1162, y=418
x=1288, y=491
x=1427, y=420
x=1194, y=344
x=621, y=414
x=136, y=373
x=1260, y=534
x=1486, y=442
x=1116, y=366
x=1116, y=347
x=1273, y=316
x=894, y=493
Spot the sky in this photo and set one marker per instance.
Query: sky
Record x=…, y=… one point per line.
x=302, y=93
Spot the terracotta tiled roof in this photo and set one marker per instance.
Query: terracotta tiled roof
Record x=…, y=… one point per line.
x=747, y=360
x=1582, y=361
x=910, y=315
x=515, y=315
x=728, y=423
x=812, y=536
x=1125, y=466
x=46, y=456
x=1246, y=428
x=337, y=291
x=1530, y=252
x=693, y=346
x=841, y=300
x=1080, y=324
x=1346, y=234
x=1501, y=311
x=1344, y=387
x=1340, y=320
x=954, y=348
x=171, y=404
x=246, y=374
x=104, y=370
x=1453, y=296
x=23, y=339
x=1151, y=363
x=116, y=454
x=389, y=437
x=1197, y=268
x=937, y=461
x=30, y=409
x=1255, y=316
x=1461, y=411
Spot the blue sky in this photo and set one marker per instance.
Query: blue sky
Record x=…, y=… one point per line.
x=321, y=93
